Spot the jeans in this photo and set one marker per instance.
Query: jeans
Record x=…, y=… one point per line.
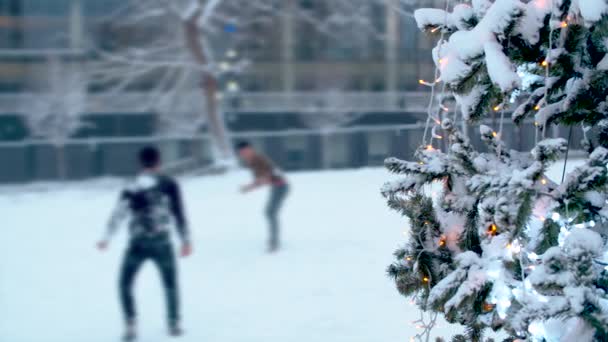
x=278, y=194
x=160, y=252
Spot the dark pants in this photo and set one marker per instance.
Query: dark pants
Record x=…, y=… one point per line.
x=278, y=193
x=160, y=251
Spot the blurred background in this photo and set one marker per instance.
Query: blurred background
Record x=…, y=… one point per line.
x=315, y=84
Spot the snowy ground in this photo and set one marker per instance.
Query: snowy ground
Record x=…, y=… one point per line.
x=328, y=284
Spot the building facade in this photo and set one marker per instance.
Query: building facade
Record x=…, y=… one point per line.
x=310, y=100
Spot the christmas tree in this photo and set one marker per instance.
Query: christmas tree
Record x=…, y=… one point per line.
x=493, y=242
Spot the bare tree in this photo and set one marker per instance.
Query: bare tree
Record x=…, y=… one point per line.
x=56, y=111
x=179, y=46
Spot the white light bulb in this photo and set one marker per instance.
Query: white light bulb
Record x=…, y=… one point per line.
x=555, y=216
x=224, y=66
x=231, y=53
x=233, y=86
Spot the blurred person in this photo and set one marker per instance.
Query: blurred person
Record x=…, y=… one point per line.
x=266, y=174
x=153, y=203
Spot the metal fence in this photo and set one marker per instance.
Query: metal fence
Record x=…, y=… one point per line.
x=246, y=102
x=350, y=147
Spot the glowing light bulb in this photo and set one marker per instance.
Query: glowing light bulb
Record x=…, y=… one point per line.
x=435, y=29
x=224, y=66
x=543, y=181
x=233, y=86
x=422, y=82
x=537, y=107
x=497, y=108
x=442, y=240
x=494, y=134
x=430, y=148
x=555, y=216
x=545, y=63
x=564, y=24
x=231, y=53
x=425, y=279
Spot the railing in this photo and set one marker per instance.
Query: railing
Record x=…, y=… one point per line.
x=305, y=149
x=262, y=102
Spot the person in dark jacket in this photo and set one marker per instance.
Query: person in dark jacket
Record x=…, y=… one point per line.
x=153, y=204
x=266, y=174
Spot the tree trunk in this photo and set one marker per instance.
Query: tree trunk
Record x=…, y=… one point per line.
x=209, y=89
x=60, y=160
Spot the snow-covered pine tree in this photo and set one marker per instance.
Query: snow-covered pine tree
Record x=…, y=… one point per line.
x=501, y=246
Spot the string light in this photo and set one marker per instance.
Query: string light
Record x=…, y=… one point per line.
x=537, y=107
x=536, y=123
x=429, y=84
x=233, y=86
x=545, y=63
x=231, y=53
x=514, y=247
x=442, y=240
x=425, y=279
x=497, y=108
x=224, y=66
x=487, y=307
x=430, y=148
x=435, y=29
x=564, y=24
x=492, y=229
x=494, y=134
x=543, y=181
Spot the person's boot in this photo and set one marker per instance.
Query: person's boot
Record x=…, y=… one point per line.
x=130, y=332
x=175, y=330
x=273, y=248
